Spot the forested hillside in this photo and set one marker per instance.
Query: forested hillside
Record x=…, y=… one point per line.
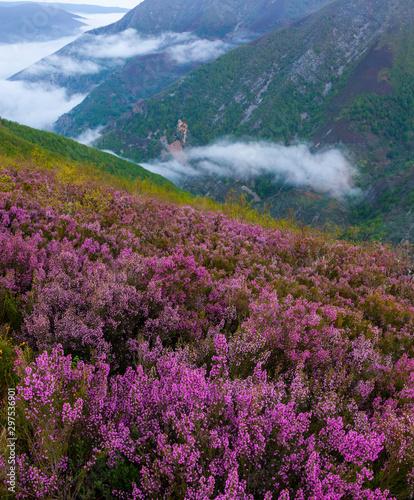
x=281, y=84
x=152, y=46
x=341, y=77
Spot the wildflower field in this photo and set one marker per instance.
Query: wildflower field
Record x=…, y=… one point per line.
x=165, y=351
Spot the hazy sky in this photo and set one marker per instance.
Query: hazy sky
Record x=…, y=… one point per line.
x=129, y=4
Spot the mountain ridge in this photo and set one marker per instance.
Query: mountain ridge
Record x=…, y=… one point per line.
x=29, y=22
x=151, y=20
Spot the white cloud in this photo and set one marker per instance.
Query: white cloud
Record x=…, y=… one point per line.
x=198, y=50
x=98, y=52
x=121, y=45
x=16, y=57
x=89, y=136
x=39, y=105
x=35, y=105
x=326, y=172
x=173, y=170
x=63, y=65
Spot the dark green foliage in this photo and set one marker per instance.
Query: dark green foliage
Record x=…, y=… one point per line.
x=105, y=478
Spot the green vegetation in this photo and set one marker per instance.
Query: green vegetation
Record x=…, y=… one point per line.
x=274, y=88
x=391, y=116
x=163, y=350
x=18, y=139
x=145, y=76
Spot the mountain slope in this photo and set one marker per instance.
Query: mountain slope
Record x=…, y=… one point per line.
x=121, y=91
x=264, y=87
x=199, y=31
x=21, y=141
x=155, y=350
x=214, y=18
x=31, y=22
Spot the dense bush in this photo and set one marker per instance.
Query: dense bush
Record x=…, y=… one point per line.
x=175, y=353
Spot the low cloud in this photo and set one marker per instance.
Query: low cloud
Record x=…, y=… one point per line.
x=326, y=172
x=89, y=136
x=34, y=105
x=92, y=53
x=181, y=47
x=198, y=50
x=18, y=56
x=173, y=170
x=63, y=64
x=15, y=57
x=95, y=52
x=122, y=45
x=39, y=105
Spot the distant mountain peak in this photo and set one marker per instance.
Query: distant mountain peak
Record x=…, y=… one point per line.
x=28, y=22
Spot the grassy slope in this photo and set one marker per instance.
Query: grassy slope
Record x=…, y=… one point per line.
x=19, y=139
x=24, y=147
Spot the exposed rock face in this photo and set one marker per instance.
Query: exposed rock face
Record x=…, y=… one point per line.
x=139, y=108
x=182, y=131
x=175, y=149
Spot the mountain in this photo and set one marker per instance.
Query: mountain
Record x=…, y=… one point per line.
x=31, y=22
x=153, y=45
x=342, y=76
x=273, y=87
x=121, y=91
x=19, y=141
x=213, y=18
x=158, y=346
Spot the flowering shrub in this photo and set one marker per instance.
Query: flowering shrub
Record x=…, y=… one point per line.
x=177, y=353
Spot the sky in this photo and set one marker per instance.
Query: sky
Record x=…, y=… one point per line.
x=128, y=4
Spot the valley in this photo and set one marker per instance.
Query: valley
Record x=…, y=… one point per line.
x=339, y=78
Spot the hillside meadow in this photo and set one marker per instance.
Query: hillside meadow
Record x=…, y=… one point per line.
x=167, y=347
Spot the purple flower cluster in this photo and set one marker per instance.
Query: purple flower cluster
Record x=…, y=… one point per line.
x=177, y=353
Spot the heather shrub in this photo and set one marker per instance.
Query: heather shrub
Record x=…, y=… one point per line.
x=182, y=353
x=59, y=423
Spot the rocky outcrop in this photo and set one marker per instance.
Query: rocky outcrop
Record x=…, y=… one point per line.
x=182, y=132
